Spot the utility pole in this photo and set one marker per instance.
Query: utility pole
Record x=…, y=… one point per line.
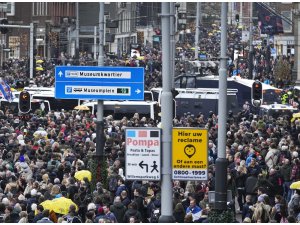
x=166, y=120
x=197, y=29
x=95, y=42
x=172, y=42
x=296, y=67
x=251, y=52
x=221, y=162
x=100, y=123
x=77, y=34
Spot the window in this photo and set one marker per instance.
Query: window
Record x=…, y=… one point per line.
x=287, y=26
x=14, y=45
x=39, y=9
x=10, y=9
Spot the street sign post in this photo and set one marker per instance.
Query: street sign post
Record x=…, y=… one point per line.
x=143, y=160
x=190, y=154
x=102, y=83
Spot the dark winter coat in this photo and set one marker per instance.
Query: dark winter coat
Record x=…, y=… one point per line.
x=119, y=211
x=132, y=212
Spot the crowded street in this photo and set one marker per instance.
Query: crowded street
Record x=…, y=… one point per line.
x=47, y=157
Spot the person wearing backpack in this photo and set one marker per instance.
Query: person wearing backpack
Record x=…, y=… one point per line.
x=154, y=210
x=113, y=182
x=272, y=156
x=294, y=204
x=121, y=187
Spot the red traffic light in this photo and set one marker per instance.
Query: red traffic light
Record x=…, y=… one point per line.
x=24, y=96
x=257, y=94
x=24, y=102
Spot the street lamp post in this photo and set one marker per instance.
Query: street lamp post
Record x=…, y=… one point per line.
x=221, y=162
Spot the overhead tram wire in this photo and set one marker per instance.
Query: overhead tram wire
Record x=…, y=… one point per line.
x=290, y=22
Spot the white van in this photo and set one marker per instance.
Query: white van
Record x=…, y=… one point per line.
x=119, y=109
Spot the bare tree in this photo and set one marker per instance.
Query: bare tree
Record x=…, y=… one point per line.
x=282, y=70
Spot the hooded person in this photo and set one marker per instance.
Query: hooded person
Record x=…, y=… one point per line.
x=132, y=212
x=118, y=209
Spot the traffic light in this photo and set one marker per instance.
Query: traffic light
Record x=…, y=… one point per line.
x=257, y=94
x=24, y=102
x=237, y=18
x=4, y=30
x=182, y=16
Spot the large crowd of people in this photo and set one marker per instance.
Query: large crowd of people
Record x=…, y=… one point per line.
x=40, y=157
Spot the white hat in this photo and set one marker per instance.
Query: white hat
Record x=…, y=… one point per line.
x=33, y=192
x=5, y=201
x=91, y=206
x=284, y=147
x=295, y=154
x=56, y=180
x=21, y=197
x=33, y=206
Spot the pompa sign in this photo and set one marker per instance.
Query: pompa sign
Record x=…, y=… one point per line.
x=142, y=159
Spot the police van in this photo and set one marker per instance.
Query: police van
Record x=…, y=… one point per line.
x=277, y=110
x=198, y=100
x=244, y=87
x=203, y=101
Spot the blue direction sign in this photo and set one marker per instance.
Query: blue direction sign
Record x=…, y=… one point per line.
x=103, y=83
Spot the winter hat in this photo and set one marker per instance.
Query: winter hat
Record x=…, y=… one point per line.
x=33, y=206
x=56, y=181
x=100, y=210
x=91, y=206
x=295, y=154
x=5, y=201
x=33, y=192
x=22, y=158
x=247, y=220
x=21, y=197
x=261, y=198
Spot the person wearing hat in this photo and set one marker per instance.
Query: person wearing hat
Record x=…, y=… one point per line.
x=23, y=168
x=39, y=215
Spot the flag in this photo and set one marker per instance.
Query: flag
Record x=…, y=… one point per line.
x=269, y=22
x=5, y=90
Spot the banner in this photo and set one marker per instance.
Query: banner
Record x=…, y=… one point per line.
x=269, y=22
x=5, y=90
